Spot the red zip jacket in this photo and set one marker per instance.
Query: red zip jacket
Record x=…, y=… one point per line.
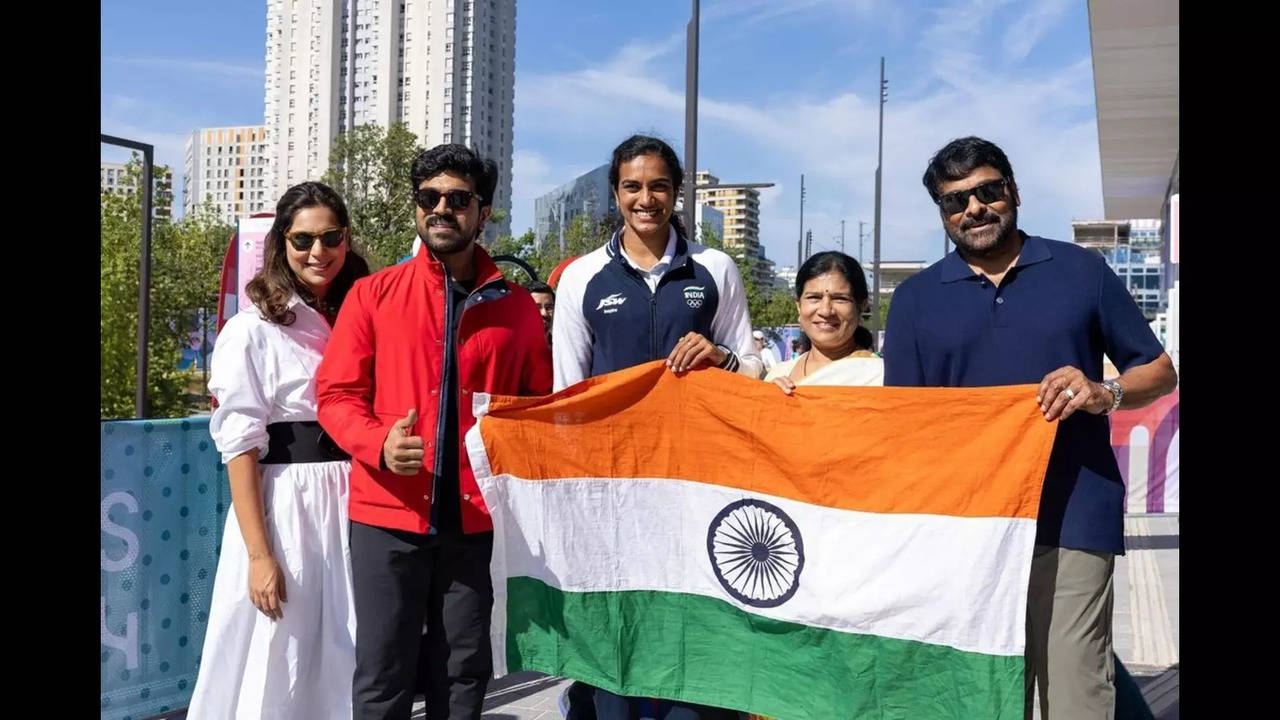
x=386, y=355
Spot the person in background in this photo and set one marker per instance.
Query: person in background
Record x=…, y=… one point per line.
x=767, y=357
x=545, y=298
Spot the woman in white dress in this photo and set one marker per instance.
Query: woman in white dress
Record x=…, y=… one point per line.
x=281, y=636
x=831, y=292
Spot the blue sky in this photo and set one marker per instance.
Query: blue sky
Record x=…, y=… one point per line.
x=785, y=88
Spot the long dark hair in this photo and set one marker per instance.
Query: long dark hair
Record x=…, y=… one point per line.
x=823, y=263
x=637, y=145
x=273, y=286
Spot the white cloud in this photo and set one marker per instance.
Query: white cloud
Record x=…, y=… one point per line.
x=1027, y=31
x=1042, y=118
x=755, y=11
x=530, y=177
x=189, y=65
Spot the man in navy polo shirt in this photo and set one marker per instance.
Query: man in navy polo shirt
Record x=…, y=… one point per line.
x=1008, y=308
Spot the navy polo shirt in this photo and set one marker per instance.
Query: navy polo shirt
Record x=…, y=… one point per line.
x=1058, y=305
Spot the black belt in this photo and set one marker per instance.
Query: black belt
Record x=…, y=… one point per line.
x=300, y=442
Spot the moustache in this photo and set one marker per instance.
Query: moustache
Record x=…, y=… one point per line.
x=442, y=220
x=982, y=219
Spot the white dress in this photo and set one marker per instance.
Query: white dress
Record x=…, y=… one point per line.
x=301, y=665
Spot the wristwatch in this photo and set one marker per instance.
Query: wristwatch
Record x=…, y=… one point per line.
x=1117, y=393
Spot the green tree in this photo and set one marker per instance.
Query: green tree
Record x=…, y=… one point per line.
x=709, y=238
x=778, y=310
x=370, y=167
x=186, y=263
x=767, y=306
x=884, y=310
x=581, y=236
x=523, y=248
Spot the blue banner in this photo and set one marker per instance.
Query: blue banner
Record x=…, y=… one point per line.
x=164, y=502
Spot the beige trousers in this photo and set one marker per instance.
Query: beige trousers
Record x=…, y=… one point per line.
x=1068, y=654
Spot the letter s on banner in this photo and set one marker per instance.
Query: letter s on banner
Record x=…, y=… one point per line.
x=128, y=536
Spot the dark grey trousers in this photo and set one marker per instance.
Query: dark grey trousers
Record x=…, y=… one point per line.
x=402, y=579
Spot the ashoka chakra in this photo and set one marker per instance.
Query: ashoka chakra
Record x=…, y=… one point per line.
x=756, y=552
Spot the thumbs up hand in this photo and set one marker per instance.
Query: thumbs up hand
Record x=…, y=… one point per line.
x=402, y=450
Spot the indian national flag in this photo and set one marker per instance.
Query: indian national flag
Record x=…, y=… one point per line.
x=840, y=553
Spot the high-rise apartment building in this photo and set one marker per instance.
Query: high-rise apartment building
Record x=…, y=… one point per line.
x=741, y=209
x=444, y=68
x=113, y=181
x=228, y=167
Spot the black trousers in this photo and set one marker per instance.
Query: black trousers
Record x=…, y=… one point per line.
x=401, y=579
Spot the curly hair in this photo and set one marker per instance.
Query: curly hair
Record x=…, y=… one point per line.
x=459, y=159
x=275, y=284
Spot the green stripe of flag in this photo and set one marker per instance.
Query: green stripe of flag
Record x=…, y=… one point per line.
x=698, y=649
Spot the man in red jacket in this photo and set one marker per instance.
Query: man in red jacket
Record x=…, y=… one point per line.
x=411, y=345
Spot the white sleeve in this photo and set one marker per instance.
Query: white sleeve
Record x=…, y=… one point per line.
x=242, y=387
x=570, y=334
x=731, y=326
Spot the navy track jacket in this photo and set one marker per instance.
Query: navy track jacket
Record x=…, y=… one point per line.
x=607, y=318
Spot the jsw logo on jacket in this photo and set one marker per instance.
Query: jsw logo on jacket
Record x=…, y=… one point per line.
x=607, y=318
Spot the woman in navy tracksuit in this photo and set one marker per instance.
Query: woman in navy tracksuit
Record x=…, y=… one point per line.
x=649, y=294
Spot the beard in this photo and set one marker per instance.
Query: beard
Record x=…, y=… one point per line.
x=1006, y=229
x=444, y=236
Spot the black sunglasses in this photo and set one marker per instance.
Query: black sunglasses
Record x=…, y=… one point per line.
x=428, y=198
x=987, y=193
x=302, y=241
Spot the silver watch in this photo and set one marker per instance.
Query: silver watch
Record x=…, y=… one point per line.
x=1117, y=393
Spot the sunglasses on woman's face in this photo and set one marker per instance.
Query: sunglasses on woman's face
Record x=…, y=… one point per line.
x=428, y=198
x=987, y=193
x=302, y=240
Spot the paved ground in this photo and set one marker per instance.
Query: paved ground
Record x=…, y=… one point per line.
x=1146, y=609
x=1146, y=630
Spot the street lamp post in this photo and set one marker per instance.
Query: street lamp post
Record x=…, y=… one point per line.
x=800, y=242
x=875, y=306
x=691, y=121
